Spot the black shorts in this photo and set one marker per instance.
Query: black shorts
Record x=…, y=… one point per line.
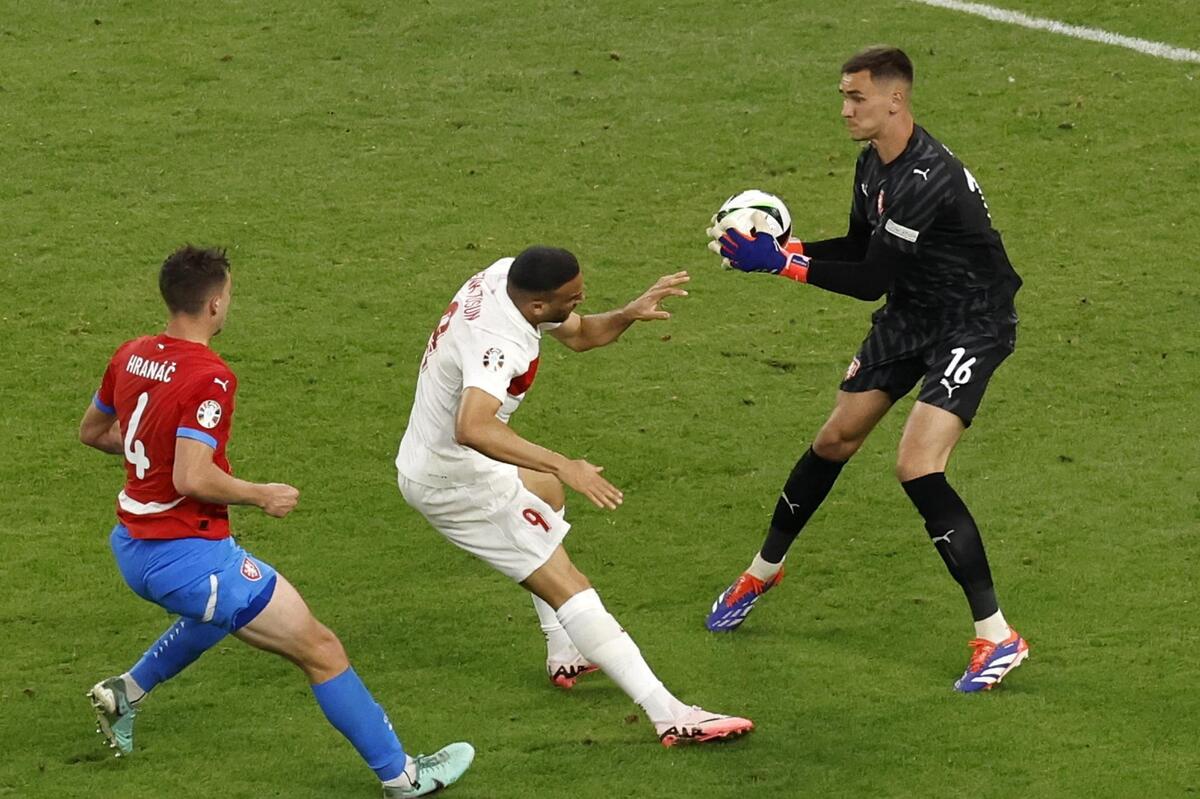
x=956, y=359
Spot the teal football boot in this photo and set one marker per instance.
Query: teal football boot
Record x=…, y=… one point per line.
x=114, y=714
x=435, y=772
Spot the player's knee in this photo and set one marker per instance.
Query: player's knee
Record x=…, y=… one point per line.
x=325, y=651
x=558, y=583
x=578, y=581
x=834, y=444
x=910, y=467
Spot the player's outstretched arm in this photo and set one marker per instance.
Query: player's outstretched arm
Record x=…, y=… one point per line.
x=477, y=427
x=866, y=279
x=196, y=476
x=101, y=430
x=851, y=247
x=595, y=330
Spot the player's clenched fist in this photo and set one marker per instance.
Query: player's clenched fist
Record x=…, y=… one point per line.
x=278, y=499
x=585, y=478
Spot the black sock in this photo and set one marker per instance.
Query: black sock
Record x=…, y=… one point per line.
x=956, y=539
x=805, y=490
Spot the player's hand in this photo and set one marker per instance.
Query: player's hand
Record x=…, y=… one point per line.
x=278, y=499
x=646, y=307
x=585, y=478
x=757, y=253
x=762, y=253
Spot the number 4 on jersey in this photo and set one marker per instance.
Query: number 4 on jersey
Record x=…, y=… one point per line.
x=135, y=450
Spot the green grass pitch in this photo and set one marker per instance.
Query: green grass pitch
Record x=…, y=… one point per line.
x=362, y=159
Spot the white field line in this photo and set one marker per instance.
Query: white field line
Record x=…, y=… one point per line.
x=1157, y=49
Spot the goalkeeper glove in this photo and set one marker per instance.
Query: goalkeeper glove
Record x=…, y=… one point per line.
x=762, y=253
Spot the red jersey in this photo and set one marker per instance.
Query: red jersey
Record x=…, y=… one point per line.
x=162, y=388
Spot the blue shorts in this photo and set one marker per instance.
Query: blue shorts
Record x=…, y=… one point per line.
x=213, y=582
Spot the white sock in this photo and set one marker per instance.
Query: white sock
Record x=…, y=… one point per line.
x=133, y=691
x=558, y=643
x=406, y=778
x=602, y=641
x=662, y=707
x=764, y=569
x=994, y=628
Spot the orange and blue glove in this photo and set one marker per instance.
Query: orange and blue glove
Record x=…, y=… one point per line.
x=762, y=253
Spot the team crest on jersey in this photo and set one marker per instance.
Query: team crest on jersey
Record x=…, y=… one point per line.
x=493, y=359
x=852, y=369
x=250, y=570
x=209, y=414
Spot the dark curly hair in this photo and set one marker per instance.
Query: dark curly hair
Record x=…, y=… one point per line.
x=191, y=275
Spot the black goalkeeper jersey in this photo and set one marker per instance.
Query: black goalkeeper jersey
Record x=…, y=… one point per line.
x=924, y=216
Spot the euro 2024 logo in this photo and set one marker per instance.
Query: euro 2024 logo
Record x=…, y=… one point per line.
x=493, y=359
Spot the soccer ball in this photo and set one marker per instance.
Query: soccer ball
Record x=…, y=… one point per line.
x=753, y=211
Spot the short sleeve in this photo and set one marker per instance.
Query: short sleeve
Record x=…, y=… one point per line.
x=206, y=411
x=914, y=210
x=490, y=363
x=105, y=397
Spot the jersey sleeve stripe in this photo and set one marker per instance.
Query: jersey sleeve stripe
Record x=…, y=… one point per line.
x=196, y=435
x=900, y=231
x=110, y=410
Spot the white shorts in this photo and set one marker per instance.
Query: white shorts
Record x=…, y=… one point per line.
x=497, y=520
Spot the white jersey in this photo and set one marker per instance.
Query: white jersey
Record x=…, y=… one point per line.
x=481, y=341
